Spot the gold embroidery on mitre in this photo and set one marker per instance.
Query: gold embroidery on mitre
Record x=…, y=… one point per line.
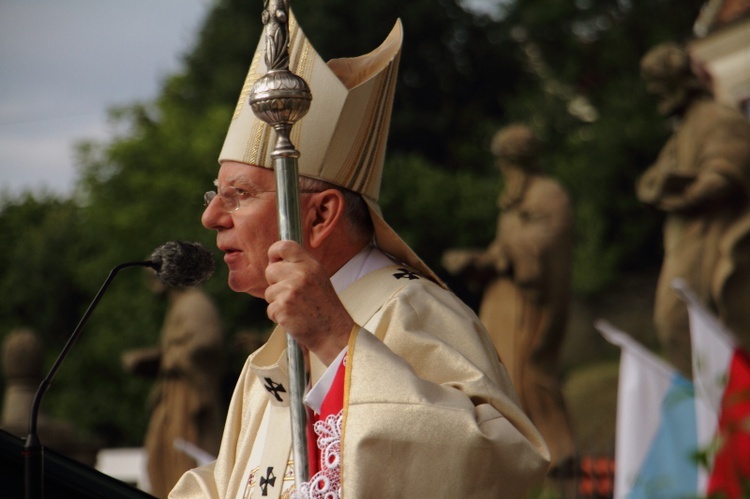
x=300, y=64
x=252, y=77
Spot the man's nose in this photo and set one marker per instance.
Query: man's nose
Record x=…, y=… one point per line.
x=214, y=217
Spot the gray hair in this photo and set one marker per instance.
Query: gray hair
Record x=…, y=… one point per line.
x=356, y=213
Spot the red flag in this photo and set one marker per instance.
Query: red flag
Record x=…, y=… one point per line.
x=731, y=472
x=721, y=375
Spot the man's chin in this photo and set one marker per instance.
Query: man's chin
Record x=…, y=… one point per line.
x=240, y=286
x=236, y=284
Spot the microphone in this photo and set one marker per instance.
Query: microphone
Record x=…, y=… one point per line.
x=180, y=263
x=175, y=263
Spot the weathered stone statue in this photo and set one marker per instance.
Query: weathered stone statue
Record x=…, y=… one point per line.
x=701, y=179
x=23, y=354
x=525, y=275
x=186, y=399
x=22, y=361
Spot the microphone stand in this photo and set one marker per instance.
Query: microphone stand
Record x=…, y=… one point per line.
x=33, y=451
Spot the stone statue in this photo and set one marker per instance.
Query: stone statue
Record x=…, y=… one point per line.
x=187, y=406
x=701, y=179
x=525, y=275
x=23, y=356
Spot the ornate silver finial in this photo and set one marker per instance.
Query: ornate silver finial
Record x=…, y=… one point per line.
x=279, y=97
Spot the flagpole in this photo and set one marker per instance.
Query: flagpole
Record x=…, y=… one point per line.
x=280, y=98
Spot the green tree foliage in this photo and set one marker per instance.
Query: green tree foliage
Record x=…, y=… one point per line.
x=40, y=287
x=568, y=68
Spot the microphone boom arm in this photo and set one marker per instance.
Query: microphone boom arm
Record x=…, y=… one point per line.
x=33, y=451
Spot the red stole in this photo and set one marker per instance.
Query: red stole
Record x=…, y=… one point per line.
x=332, y=404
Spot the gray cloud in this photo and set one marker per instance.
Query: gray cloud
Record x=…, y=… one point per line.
x=63, y=64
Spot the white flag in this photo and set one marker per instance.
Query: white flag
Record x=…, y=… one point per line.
x=656, y=437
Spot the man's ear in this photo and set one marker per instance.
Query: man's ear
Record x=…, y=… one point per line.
x=325, y=212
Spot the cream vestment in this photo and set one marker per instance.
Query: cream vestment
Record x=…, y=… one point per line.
x=428, y=409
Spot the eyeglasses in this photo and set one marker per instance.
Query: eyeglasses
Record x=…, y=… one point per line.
x=231, y=196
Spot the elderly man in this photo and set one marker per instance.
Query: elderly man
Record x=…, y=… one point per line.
x=407, y=394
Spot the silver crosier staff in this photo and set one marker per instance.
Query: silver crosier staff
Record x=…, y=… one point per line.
x=280, y=98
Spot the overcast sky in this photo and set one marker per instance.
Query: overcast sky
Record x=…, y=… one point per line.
x=63, y=63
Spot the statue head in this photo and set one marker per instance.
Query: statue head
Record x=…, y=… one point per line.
x=516, y=144
x=666, y=69
x=23, y=355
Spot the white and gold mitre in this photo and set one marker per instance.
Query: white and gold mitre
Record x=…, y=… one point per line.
x=342, y=138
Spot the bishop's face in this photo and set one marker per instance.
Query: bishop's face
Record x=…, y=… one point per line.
x=244, y=217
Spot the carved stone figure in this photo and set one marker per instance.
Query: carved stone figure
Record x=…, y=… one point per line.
x=22, y=359
x=701, y=179
x=525, y=277
x=186, y=399
x=22, y=367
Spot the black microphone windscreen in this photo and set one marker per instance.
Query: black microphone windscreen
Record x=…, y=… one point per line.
x=181, y=263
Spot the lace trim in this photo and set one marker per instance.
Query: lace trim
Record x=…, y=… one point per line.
x=326, y=484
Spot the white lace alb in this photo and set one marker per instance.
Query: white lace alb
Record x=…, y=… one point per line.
x=326, y=483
